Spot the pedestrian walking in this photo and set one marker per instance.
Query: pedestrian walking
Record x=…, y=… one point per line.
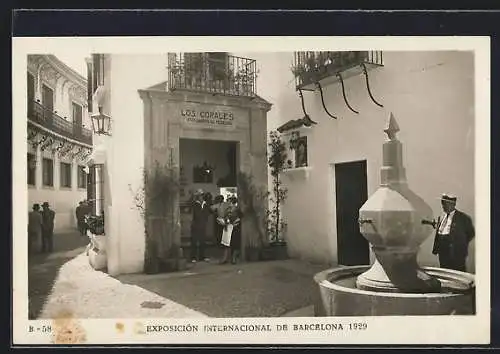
x=48, y=216
x=198, y=227
x=454, y=231
x=35, y=223
x=80, y=213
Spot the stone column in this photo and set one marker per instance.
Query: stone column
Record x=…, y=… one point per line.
x=39, y=168
x=57, y=172
x=74, y=174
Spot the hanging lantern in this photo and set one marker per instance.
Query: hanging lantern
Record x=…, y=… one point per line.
x=101, y=123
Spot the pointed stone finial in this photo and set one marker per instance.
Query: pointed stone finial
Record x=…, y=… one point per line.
x=392, y=127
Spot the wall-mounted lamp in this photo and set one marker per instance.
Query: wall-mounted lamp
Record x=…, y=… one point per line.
x=101, y=123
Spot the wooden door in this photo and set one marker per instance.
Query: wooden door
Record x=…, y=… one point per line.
x=351, y=194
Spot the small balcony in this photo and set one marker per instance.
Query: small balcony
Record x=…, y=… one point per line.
x=45, y=117
x=312, y=67
x=215, y=73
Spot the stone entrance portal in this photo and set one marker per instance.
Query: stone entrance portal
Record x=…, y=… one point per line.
x=210, y=165
x=195, y=132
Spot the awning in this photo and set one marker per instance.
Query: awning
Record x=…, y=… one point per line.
x=306, y=121
x=97, y=156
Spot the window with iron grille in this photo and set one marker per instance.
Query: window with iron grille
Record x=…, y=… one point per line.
x=31, y=170
x=96, y=189
x=82, y=177
x=65, y=174
x=48, y=172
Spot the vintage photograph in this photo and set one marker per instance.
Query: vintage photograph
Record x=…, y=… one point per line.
x=265, y=184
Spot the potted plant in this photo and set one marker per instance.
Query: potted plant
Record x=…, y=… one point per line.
x=276, y=225
x=253, y=206
x=156, y=202
x=97, y=251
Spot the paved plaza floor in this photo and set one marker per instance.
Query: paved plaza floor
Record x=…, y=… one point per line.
x=65, y=282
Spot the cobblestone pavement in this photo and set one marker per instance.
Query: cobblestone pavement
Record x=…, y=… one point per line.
x=44, y=267
x=259, y=289
x=65, y=282
x=87, y=293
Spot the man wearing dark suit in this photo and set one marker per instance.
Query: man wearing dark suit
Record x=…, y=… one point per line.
x=48, y=216
x=454, y=231
x=199, y=227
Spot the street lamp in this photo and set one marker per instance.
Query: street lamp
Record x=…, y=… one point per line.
x=101, y=123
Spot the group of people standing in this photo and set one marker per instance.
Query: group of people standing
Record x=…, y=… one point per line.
x=226, y=217
x=41, y=228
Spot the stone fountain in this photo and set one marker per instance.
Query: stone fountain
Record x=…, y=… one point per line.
x=395, y=221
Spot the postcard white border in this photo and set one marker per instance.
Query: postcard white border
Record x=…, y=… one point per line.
x=381, y=330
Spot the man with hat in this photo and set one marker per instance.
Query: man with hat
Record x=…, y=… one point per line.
x=199, y=226
x=80, y=218
x=454, y=231
x=35, y=223
x=48, y=216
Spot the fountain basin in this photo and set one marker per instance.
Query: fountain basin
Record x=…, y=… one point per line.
x=340, y=297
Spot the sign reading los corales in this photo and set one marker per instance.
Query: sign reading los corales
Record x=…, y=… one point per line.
x=208, y=117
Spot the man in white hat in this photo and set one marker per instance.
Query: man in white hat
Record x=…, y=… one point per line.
x=454, y=231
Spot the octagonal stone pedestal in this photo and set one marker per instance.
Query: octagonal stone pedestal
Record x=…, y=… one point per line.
x=340, y=297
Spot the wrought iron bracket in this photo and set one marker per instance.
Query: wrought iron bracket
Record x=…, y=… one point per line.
x=56, y=147
x=43, y=143
x=65, y=150
x=323, y=101
x=48, y=143
x=363, y=66
x=75, y=152
x=343, y=93
x=304, y=107
x=32, y=134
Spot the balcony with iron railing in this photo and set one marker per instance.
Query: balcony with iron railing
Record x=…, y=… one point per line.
x=324, y=67
x=215, y=73
x=42, y=115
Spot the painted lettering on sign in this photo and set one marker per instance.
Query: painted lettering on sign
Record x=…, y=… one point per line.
x=208, y=117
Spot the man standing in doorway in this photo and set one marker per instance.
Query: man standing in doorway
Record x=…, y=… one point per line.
x=34, y=227
x=453, y=234
x=48, y=216
x=198, y=227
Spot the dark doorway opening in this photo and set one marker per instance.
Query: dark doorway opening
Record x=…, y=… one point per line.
x=351, y=193
x=212, y=166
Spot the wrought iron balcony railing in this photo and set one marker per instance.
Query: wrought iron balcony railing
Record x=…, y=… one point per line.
x=50, y=120
x=312, y=67
x=216, y=73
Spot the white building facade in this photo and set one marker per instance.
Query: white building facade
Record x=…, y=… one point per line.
x=192, y=111
x=59, y=137
x=431, y=94
x=333, y=170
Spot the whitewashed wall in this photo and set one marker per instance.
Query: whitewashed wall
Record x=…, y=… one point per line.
x=127, y=74
x=432, y=97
